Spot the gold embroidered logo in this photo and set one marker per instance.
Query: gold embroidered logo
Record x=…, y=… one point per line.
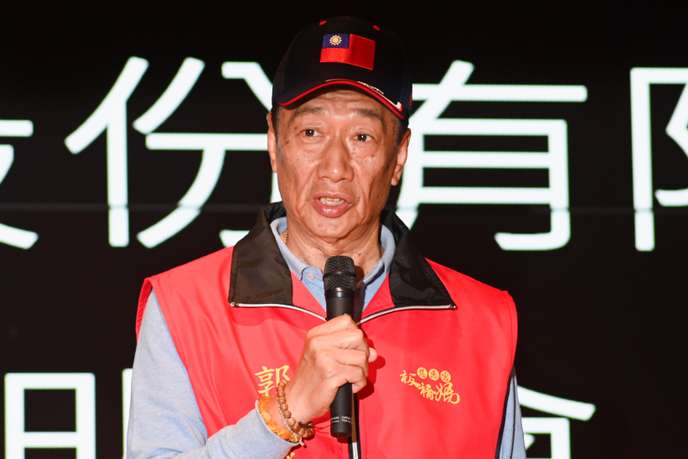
x=269, y=378
x=432, y=384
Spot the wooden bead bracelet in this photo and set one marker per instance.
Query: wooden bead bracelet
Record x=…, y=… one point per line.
x=296, y=427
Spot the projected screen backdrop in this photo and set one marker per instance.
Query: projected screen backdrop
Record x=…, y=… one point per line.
x=546, y=159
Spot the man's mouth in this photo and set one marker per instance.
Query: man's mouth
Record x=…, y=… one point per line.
x=331, y=206
x=331, y=201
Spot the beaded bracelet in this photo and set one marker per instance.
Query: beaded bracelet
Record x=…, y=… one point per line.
x=296, y=427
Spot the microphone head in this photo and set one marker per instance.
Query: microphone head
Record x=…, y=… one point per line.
x=340, y=272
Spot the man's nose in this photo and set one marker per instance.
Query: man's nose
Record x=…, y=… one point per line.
x=335, y=161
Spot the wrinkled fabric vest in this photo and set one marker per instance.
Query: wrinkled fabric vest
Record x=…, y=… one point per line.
x=437, y=390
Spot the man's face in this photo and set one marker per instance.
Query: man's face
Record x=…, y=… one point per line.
x=336, y=159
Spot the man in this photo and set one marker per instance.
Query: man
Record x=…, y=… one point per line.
x=235, y=357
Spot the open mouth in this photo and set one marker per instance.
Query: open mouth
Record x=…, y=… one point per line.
x=331, y=201
x=331, y=205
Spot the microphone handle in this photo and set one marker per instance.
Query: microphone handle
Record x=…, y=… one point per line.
x=340, y=302
x=340, y=412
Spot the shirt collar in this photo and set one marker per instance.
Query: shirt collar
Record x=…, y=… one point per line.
x=298, y=266
x=258, y=273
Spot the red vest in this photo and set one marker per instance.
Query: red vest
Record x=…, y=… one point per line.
x=437, y=390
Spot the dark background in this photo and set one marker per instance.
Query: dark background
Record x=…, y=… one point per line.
x=599, y=321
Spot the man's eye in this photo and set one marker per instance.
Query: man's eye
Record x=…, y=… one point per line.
x=309, y=132
x=362, y=137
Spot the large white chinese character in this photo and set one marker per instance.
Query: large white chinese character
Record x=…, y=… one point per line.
x=110, y=117
x=82, y=439
x=557, y=427
x=10, y=235
x=427, y=121
x=260, y=85
x=641, y=126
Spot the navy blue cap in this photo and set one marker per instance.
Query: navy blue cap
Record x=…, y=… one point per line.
x=345, y=51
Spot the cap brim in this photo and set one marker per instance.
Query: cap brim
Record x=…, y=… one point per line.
x=396, y=110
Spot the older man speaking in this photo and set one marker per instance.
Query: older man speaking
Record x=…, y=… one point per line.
x=235, y=356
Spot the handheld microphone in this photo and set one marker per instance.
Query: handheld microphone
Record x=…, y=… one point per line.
x=340, y=284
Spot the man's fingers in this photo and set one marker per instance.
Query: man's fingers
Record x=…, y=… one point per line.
x=342, y=322
x=339, y=323
x=355, y=388
x=348, y=374
x=352, y=357
x=343, y=339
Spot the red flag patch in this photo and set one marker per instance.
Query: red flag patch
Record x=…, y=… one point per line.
x=348, y=48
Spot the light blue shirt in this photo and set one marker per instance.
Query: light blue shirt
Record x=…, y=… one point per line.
x=312, y=276
x=164, y=419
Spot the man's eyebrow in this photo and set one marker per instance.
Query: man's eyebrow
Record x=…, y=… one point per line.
x=301, y=111
x=367, y=112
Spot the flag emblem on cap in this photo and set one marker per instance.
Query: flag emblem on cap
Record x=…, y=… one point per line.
x=348, y=48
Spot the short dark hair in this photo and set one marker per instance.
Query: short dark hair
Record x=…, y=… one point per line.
x=400, y=125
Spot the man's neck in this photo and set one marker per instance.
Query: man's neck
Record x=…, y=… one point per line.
x=364, y=251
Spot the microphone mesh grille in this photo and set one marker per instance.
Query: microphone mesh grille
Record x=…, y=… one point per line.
x=339, y=272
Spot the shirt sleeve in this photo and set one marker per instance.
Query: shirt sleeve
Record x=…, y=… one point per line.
x=164, y=419
x=512, y=443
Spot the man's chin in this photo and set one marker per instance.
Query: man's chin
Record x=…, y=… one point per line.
x=331, y=229
x=332, y=234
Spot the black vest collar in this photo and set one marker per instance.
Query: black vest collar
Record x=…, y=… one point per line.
x=259, y=274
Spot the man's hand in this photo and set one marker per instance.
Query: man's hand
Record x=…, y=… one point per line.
x=334, y=353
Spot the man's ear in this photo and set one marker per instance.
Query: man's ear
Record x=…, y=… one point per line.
x=272, y=143
x=400, y=158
